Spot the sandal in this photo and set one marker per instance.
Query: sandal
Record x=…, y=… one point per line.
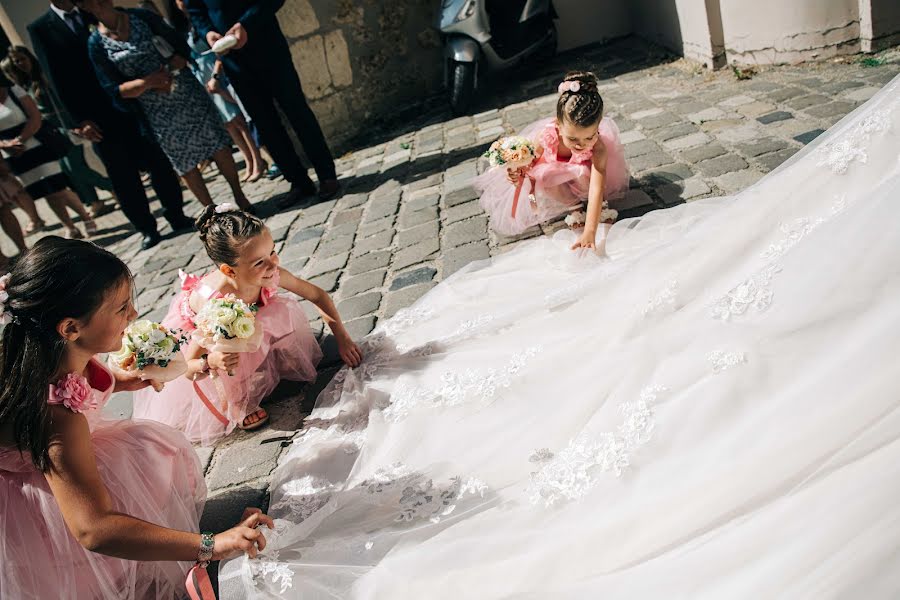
x=254, y=426
x=35, y=227
x=74, y=234
x=90, y=227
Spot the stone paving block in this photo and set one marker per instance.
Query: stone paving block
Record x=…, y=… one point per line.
x=837, y=108
x=688, y=141
x=416, y=253
x=808, y=136
x=460, y=196
x=785, y=93
x=379, y=209
x=224, y=507
x=734, y=182
x=368, y=229
x=394, y=301
x=348, y=216
x=362, y=283
x=774, y=159
x=349, y=201
x=806, y=101
x=675, y=193
x=774, y=117
x=743, y=133
x=709, y=114
x=414, y=218
x=755, y=109
x=372, y=243
x=632, y=136
x=640, y=148
x=840, y=86
x=689, y=107
x=358, y=306
x=739, y=100
x=631, y=200
x=334, y=245
x=463, y=232
x=327, y=282
x=761, y=146
x=704, y=152
x=369, y=262
x=320, y=266
x=456, y=258
x=417, y=234
x=414, y=277
x=660, y=120
x=675, y=131
x=646, y=113
x=721, y=165
x=461, y=212
x=310, y=233
x=861, y=94
x=360, y=328
x=648, y=161
x=244, y=460
x=291, y=252
x=666, y=174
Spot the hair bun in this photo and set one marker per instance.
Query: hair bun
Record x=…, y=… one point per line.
x=204, y=221
x=588, y=81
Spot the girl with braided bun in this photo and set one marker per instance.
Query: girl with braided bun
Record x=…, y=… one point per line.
x=579, y=157
x=91, y=507
x=223, y=390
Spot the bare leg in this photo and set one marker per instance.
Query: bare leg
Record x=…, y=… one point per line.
x=226, y=165
x=234, y=131
x=26, y=203
x=194, y=180
x=58, y=203
x=12, y=228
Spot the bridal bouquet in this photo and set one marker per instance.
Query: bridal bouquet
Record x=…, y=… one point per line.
x=512, y=152
x=227, y=324
x=152, y=351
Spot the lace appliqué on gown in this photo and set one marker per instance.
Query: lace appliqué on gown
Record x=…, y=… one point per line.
x=570, y=474
x=840, y=155
x=457, y=387
x=722, y=360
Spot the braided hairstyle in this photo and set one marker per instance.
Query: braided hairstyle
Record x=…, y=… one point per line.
x=225, y=233
x=584, y=107
x=56, y=279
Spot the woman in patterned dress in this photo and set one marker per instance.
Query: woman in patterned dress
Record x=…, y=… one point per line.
x=142, y=63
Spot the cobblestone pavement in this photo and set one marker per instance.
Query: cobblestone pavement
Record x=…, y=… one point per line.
x=409, y=217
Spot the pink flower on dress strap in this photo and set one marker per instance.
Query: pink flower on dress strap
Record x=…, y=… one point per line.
x=74, y=392
x=188, y=281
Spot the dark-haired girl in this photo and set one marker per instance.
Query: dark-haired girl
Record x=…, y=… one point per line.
x=89, y=508
x=222, y=391
x=580, y=158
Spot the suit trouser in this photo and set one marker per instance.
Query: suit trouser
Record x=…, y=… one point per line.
x=124, y=158
x=266, y=76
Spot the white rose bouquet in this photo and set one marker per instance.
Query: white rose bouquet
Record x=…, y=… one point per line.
x=152, y=351
x=227, y=324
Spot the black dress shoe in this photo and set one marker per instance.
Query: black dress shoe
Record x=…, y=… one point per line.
x=150, y=240
x=182, y=224
x=297, y=194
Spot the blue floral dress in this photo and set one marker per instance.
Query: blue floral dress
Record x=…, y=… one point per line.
x=185, y=122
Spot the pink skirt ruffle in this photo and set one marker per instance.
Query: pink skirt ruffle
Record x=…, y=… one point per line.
x=560, y=186
x=289, y=350
x=151, y=472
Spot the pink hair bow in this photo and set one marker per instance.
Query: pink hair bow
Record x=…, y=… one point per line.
x=569, y=86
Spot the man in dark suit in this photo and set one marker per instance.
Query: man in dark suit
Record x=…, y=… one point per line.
x=261, y=69
x=60, y=39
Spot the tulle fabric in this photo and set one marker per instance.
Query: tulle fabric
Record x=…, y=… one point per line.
x=288, y=350
x=151, y=473
x=710, y=411
x=560, y=186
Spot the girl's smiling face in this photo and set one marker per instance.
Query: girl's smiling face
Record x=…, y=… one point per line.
x=103, y=331
x=258, y=261
x=577, y=138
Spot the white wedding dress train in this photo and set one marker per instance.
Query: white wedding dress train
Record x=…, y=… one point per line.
x=713, y=411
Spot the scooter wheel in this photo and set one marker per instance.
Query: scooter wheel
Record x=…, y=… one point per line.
x=462, y=86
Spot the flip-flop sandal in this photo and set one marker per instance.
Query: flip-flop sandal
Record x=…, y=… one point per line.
x=254, y=426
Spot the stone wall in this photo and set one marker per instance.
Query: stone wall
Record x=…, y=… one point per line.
x=359, y=58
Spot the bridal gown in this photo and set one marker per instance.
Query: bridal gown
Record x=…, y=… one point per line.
x=711, y=411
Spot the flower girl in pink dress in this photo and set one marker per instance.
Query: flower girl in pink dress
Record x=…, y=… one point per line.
x=579, y=158
x=91, y=508
x=223, y=390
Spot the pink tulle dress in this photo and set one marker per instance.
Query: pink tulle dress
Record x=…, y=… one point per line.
x=208, y=409
x=152, y=473
x=561, y=185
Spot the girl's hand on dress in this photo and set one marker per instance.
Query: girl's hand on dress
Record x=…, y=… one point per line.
x=349, y=351
x=586, y=240
x=245, y=537
x=223, y=361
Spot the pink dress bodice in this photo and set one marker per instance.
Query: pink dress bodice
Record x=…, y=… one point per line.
x=191, y=283
x=549, y=140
